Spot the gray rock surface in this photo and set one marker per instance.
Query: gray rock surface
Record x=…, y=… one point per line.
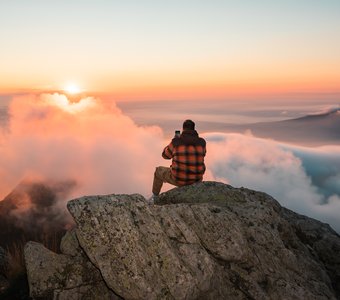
x=57, y=276
x=69, y=244
x=321, y=240
x=204, y=241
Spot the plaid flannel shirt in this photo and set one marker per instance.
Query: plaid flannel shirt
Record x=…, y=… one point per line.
x=187, y=153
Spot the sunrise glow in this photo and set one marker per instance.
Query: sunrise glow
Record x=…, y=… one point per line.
x=64, y=103
x=72, y=89
x=172, y=50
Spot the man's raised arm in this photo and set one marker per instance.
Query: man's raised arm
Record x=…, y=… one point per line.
x=168, y=151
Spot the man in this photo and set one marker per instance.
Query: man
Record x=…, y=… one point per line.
x=187, y=152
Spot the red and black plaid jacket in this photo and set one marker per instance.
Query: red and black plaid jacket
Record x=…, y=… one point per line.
x=187, y=153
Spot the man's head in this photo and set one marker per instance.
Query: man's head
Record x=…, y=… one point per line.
x=188, y=125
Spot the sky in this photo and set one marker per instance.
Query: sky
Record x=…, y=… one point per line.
x=171, y=49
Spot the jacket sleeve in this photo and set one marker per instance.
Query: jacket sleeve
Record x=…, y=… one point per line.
x=205, y=147
x=168, y=151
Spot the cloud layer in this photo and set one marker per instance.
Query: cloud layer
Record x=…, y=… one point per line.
x=93, y=144
x=87, y=141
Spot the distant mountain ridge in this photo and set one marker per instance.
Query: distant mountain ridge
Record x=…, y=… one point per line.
x=329, y=111
x=312, y=130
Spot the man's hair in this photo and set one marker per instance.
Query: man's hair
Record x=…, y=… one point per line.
x=189, y=125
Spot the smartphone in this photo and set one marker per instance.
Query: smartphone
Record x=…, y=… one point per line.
x=177, y=133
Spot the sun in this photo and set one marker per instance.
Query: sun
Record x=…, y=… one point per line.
x=72, y=89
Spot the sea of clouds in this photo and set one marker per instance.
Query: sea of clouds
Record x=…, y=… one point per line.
x=95, y=145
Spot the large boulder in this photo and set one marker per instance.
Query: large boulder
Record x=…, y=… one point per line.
x=204, y=241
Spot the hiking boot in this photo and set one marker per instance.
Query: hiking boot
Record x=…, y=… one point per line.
x=152, y=199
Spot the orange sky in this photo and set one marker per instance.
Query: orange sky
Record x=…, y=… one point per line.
x=173, y=50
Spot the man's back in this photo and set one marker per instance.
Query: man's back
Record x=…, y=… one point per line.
x=187, y=153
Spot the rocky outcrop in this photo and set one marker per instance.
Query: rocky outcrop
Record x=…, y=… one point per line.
x=204, y=241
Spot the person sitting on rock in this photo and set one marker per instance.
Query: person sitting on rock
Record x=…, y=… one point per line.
x=187, y=151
